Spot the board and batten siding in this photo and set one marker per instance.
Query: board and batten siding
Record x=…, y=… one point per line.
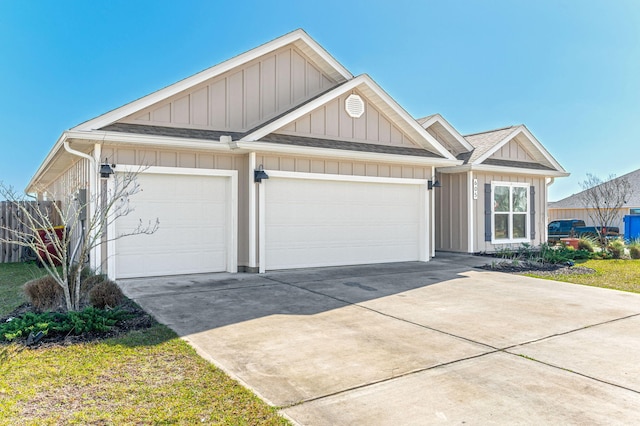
x=452, y=213
x=480, y=245
x=244, y=97
x=513, y=151
x=331, y=121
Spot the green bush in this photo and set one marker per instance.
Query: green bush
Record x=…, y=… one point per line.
x=51, y=323
x=634, y=250
x=587, y=243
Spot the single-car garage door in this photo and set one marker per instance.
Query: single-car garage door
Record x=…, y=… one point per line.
x=197, y=225
x=329, y=222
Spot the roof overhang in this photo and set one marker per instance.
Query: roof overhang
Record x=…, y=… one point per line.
x=503, y=170
x=375, y=94
x=437, y=118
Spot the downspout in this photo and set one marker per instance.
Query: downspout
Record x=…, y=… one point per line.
x=94, y=171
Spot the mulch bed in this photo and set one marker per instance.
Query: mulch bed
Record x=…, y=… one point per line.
x=140, y=320
x=545, y=269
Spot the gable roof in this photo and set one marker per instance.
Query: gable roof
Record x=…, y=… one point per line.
x=574, y=201
x=376, y=95
x=452, y=136
x=298, y=38
x=487, y=143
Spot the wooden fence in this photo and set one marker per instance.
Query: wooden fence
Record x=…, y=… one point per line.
x=10, y=215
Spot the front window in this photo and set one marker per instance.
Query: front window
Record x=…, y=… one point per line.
x=510, y=212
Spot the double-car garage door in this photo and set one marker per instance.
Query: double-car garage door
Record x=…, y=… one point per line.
x=305, y=220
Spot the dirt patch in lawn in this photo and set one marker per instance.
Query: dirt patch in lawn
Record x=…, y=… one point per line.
x=545, y=269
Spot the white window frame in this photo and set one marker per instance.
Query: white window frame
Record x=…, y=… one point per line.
x=527, y=230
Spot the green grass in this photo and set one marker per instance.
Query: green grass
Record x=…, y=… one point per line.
x=615, y=274
x=12, y=277
x=144, y=377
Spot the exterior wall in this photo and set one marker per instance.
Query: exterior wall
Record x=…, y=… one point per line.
x=441, y=134
x=478, y=208
x=241, y=99
x=341, y=167
x=74, y=178
x=332, y=122
x=556, y=214
x=452, y=213
x=513, y=151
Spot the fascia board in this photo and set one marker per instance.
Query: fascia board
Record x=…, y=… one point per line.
x=148, y=100
x=350, y=85
x=271, y=147
x=440, y=119
x=406, y=117
x=502, y=169
x=542, y=149
x=149, y=140
x=45, y=164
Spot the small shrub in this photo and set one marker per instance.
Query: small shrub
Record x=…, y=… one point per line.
x=587, y=243
x=105, y=294
x=51, y=323
x=616, y=248
x=44, y=293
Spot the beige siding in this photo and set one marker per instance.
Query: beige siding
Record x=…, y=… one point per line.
x=557, y=214
x=243, y=98
x=340, y=167
x=74, y=178
x=480, y=245
x=331, y=121
x=513, y=151
x=452, y=213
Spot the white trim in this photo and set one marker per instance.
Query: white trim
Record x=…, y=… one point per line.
x=361, y=80
x=95, y=193
x=536, y=144
x=432, y=212
x=470, y=216
x=251, y=187
x=425, y=246
x=270, y=147
x=344, y=178
x=232, y=212
x=527, y=231
x=440, y=119
x=111, y=244
x=262, y=227
x=153, y=140
x=298, y=36
x=502, y=169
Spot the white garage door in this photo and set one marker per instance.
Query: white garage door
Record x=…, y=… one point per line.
x=193, y=237
x=329, y=222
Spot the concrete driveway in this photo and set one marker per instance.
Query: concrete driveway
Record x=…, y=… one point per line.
x=413, y=343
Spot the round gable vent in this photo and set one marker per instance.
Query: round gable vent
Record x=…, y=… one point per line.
x=354, y=106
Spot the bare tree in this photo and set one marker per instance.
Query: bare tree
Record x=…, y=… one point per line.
x=63, y=254
x=603, y=200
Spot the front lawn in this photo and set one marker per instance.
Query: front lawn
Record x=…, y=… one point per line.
x=12, y=276
x=142, y=377
x=615, y=274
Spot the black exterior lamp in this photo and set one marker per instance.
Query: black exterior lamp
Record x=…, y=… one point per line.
x=259, y=174
x=106, y=169
x=433, y=184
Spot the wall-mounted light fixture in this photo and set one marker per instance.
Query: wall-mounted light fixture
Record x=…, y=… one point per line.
x=106, y=169
x=259, y=174
x=433, y=184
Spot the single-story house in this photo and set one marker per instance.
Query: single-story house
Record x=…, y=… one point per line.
x=572, y=207
x=352, y=177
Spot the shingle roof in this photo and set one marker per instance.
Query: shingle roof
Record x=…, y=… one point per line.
x=574, y=201
x=517, y=164
x=484, y=141
x=425, y=119
x=349, y=146
x=273, y=138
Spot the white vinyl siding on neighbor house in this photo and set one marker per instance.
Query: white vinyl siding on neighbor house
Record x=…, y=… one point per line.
x=509, y=212
x=320, y=220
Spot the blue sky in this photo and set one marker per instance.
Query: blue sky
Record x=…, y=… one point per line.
x=569, y=70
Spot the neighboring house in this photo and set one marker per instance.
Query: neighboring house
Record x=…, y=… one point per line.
x=350, y=172
x=573, y=208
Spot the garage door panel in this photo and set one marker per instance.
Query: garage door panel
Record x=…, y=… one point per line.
x=324, y=222
x=193, y=232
